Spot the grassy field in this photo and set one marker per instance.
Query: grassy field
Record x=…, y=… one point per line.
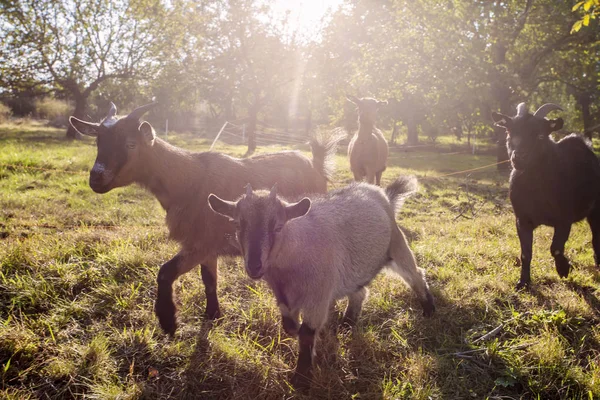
x=77, y=286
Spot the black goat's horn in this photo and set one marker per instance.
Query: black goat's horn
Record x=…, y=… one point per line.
x=545, y=109
x=113, y=110
x=110, y=117
x=141, y=110
x=521, y=110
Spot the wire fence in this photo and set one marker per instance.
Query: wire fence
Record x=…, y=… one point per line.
x=88, y=225
x=231, y=133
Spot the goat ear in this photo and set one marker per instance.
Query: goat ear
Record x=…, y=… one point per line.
x=297, y=209
x=501, y=119
x=222, y=207
x=352, y=99
x=147, y=132
x=84, y=127
x=555, y=125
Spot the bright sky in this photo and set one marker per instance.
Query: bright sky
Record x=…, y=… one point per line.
x=305, y=16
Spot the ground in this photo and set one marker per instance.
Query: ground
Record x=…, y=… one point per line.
x=77, y=287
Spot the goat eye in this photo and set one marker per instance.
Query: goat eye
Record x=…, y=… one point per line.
x=131, y=145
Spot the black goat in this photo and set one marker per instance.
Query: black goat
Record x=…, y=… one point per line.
x=551, y=183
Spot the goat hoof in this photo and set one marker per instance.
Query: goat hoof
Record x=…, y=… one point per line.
x=523, y=285
x=347, y=324
x=300, y=382
x=213, y=313
x=168, y=323
x=428, y=306
x=166, y=318
x=562, y=266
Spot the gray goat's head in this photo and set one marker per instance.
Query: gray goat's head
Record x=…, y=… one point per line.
x=119, y=142
x=527, y=135
x=367, y=107
x=259, y=218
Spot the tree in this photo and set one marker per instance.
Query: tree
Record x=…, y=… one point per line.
x=74, y=47
x=248, y=60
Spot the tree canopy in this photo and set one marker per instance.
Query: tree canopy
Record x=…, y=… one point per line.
x=442, y=65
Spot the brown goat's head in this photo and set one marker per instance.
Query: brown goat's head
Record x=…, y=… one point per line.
x=119, y=142
x=367, y=107
x=259, y=218
x=527, y=134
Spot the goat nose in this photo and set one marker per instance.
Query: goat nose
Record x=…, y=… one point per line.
x=95, y=176
x=254, y=269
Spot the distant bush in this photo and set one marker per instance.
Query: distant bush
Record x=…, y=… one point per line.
x=5, y=112
x=56, y=111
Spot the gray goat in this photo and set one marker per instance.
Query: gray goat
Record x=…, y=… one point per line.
x=311, y=259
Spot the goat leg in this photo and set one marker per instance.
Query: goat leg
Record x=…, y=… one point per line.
x=378, y=178
x=289, y=319
x=303, y=375
x=525, y=232
x=164, y=307
x=594, y=222
x=355, y=303
x=208, y=271
x=561, y=234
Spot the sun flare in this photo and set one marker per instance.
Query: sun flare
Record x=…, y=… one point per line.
x=305, y=17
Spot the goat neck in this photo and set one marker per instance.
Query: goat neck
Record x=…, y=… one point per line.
x=365, y=127
x=167, y=172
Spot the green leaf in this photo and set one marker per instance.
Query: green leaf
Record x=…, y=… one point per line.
x=576, y=26
x=6, y=366
x=576, y=6
x=586, y=20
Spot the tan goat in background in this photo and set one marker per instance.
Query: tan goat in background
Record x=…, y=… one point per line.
x=368, y=149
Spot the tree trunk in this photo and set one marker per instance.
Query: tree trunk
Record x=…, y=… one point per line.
x=501, y=93
x=80, y=106
x=308, y=122
x=251, y=131
x=584, y=101
x=394, y=133
x=413, y=132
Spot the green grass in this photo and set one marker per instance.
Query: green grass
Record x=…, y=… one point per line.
x=77, y=286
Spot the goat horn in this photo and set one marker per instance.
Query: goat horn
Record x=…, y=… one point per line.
x=110, y=119
x=273, y=194
x=521, y=110
x=545, y=109
x=141, y=110
x=248, y=190
x=113, y=110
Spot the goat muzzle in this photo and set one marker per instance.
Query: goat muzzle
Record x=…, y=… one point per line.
x=518, y=160
x=254, y=270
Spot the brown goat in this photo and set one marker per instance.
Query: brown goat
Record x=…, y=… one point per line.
x=129, y=152
x=368, y=150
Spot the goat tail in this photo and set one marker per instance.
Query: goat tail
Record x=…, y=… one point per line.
x=323, y=151
x=399, y=190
